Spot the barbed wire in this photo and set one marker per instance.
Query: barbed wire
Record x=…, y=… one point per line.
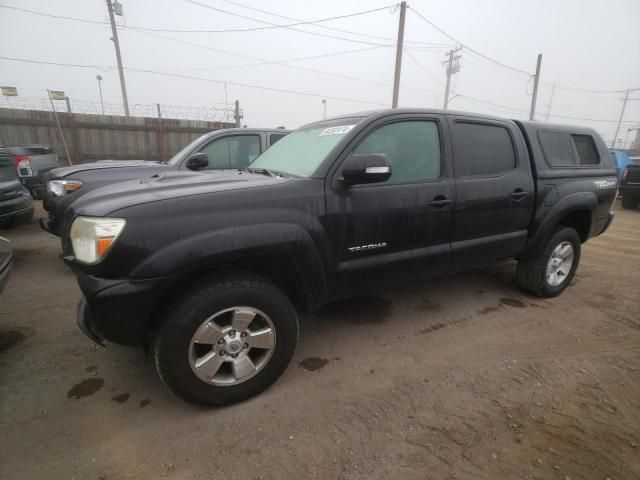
x=211, y=113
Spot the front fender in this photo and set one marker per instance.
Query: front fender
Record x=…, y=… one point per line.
x=223, y=247
x=548, y=217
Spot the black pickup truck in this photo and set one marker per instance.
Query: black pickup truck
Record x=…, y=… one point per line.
x=227, y=148
x=209, y=270
x=630, y=186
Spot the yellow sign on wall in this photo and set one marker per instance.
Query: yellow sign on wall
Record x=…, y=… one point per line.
x=9, y=91
x=57, y=94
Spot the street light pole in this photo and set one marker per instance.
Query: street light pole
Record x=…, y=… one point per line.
x=324, y=104
x=99, y=78
x=116, y=43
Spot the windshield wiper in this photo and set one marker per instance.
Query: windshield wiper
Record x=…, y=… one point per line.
x=262, y=171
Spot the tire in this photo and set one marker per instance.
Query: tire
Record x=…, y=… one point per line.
x=532, y=272
x=629, y=202
x=216, y=302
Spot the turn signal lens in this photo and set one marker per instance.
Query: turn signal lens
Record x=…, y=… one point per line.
x=93, y=237
x=61, y=187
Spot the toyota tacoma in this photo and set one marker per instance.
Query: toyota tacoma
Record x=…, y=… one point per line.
x=209, y=271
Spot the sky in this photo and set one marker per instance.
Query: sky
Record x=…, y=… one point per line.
x=591, y=50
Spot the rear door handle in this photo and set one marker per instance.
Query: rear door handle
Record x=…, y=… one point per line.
x=439, y=202
x=518, y=193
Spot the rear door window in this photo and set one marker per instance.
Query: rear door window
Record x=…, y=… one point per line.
x=482, y=149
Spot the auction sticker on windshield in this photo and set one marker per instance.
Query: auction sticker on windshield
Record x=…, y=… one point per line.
x=342, y=129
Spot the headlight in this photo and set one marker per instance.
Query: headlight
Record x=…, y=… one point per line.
x=61, y=187
x=92, y=237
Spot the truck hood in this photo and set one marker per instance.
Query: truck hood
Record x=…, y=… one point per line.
x=63, y=172
x=165, y=186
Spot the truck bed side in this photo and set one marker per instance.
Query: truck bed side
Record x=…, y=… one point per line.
x=575, y=180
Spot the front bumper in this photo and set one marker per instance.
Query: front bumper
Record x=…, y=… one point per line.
x=607, y=223
x=17, y=208
x=632, y=189
x=119, y=311
x=50, y=225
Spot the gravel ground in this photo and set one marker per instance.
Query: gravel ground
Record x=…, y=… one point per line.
x=464, y=377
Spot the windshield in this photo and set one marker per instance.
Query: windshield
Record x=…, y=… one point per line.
x=178, y=156
x=301, y=152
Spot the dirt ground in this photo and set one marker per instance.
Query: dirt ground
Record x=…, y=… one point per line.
x=460, y=378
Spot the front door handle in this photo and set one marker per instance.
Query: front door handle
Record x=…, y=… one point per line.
x=440, y=201
x=518, y=193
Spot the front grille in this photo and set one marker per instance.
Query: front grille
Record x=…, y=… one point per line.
x=8, y=194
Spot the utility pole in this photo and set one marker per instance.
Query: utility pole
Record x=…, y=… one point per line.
x=324, y=105
x=453, y=67
x=237, y=115
x=536, y=82
x=553, y=91
x=396, y=79
x=116, y=43
x=624, y=105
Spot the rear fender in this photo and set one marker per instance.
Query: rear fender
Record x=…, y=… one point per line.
x=545, y=224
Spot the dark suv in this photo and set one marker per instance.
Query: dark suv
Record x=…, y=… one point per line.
x=16, y=204
x=209, y=270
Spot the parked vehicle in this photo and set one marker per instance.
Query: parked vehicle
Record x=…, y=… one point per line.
x=622, y=160
x=630, y=186
x=228, y=148
x=16, y=205
x=5, y=261
x=32, y=162
x=209, y=270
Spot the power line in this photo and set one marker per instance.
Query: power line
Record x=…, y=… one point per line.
x=424, y=69
x=264, y=61
x=334, y=37
x=493, y=60
x=326, y=27
x=283, y=63
x=167, y=30
x=269, y=27
x=271, y=62
x=189, y=77
x=59, y=17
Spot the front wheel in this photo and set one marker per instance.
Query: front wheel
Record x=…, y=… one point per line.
x=226, y=341
x=550, y=271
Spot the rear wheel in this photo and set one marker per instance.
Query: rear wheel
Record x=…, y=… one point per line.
x=549, y=272
x=630, y=202
x=226, y=341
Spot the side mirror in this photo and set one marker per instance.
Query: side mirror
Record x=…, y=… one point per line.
x=198, y=161
x=362, y=168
